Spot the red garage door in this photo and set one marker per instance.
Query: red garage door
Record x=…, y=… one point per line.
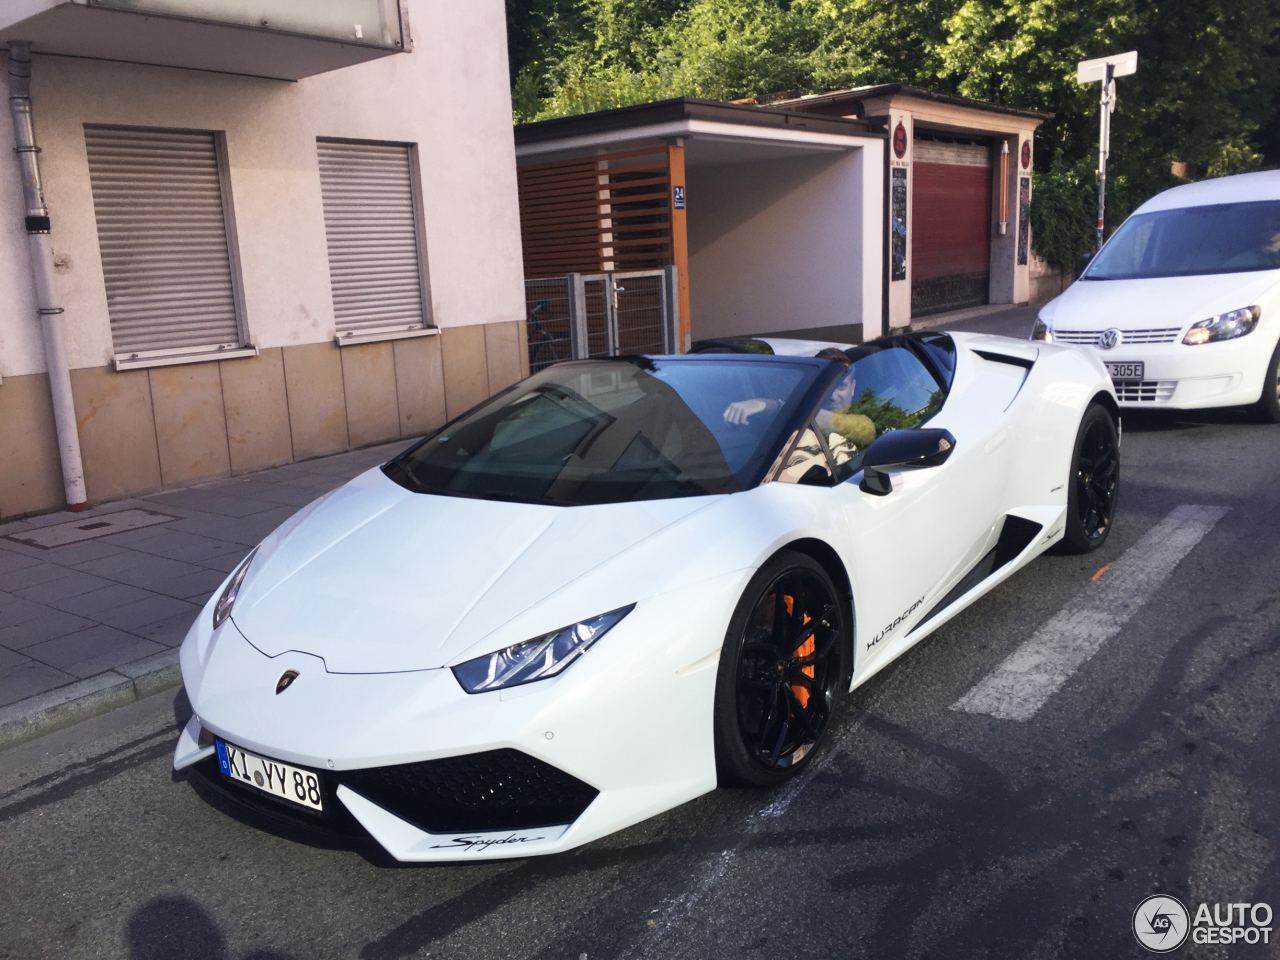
x=950, y=226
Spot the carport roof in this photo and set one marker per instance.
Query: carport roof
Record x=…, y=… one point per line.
x=838, y=97
x=665, y=112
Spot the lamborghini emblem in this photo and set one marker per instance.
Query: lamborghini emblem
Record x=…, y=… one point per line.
x=285, y=681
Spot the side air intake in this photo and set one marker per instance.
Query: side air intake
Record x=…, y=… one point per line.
x=1015, y=536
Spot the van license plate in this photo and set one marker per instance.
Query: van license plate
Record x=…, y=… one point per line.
x=1126, y=371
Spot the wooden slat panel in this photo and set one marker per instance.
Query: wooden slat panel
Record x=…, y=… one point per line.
x=563, y=216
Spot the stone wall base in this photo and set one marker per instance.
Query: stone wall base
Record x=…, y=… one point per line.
x=148, y=430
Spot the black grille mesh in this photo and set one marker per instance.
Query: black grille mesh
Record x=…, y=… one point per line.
x=494, y=790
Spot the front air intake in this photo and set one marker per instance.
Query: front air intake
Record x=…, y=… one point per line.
x=494, y=790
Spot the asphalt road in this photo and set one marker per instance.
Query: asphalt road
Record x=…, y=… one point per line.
x=923, y=831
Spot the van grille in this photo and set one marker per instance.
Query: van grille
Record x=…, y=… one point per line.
x=1145, y=391
x=1090, y=337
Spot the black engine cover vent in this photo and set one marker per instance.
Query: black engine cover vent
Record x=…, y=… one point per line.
x=495, y=790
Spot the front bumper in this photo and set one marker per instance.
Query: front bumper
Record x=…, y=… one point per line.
x=621, y=736
x=1179, y=377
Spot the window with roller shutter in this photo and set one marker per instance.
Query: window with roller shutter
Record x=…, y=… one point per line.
x=162, y=212
x=372, y=228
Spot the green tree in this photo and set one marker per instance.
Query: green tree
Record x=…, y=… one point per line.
x=1207, y=91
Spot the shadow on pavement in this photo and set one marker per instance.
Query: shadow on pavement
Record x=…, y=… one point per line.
x=1155, y=421
x=178, y=928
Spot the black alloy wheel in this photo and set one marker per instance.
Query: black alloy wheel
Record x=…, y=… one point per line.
x=781, y=672
x=1094, y=485
x=1268, y=406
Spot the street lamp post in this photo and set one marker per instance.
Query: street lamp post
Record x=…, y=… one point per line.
x=1105, y=69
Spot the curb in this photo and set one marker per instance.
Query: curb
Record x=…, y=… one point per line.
x=39, y=715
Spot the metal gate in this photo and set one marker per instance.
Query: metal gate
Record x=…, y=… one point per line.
x=601, y=315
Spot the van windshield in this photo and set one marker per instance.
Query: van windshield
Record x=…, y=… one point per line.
x=1190, y=241
x=611, y=431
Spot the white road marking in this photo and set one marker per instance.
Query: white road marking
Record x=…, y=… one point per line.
x=1024, y=682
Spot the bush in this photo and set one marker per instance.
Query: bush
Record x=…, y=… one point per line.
x=1064, y=212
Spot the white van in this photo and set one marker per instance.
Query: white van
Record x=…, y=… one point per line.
x=1183, y=302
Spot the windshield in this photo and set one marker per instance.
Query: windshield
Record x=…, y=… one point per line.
x=610, y=431
x=1223, y=238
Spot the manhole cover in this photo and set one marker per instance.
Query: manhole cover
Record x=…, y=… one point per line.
x=88, y=528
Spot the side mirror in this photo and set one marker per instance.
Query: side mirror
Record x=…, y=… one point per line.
x=1083, y=263
x=903, y=450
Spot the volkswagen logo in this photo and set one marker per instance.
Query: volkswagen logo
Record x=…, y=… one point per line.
x=285, y=681
x=1109, y=338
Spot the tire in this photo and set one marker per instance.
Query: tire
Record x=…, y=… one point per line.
x=1267, y=409
x=1093, y=486
x=774, y=709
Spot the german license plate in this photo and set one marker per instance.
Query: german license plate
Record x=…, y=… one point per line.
x=270, y=776
x=1126, y=371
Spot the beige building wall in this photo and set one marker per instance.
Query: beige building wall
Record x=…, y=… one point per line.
x=301, y=396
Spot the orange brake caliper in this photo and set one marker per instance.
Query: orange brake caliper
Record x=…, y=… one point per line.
x=805, y=649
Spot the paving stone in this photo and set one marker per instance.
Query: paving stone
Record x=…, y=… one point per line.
x=108, y=598
x=188, y=547
x=13, y=525
x=170, y=631
x=132, y=538
x=138, y=569
x=142, y=612
x=227, y=563
x=11, y=561
x=210, y=501
x=222, y=528
x=74, y=553
x=191, y=586
x=72, y=585
x=20, y=611
x=28, y=680
x=9, y=658
x=34, y=575
x=92, y=651
x=48, y=626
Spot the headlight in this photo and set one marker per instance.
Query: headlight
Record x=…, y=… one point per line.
x=1225, y=326
x=1041, y=331
x=222, y=609
x=536, y=659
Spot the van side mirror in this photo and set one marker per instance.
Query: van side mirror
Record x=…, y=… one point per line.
x=1083, y=263
x=903, y=450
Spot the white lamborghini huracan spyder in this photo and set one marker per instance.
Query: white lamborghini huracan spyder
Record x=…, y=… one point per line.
x=622, y=582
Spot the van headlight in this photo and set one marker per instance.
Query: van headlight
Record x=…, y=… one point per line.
x=536, y=659
x=1041, y=331
x=1225, y=326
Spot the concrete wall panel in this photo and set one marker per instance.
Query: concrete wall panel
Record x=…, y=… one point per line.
x=803, y=218
x=466, y=374
x=30, y=472
x=369, y=381
x=317, y=408
x=502, y=353
x=419, y=385
x=191, y=424
x=257, y=408
x=117, y=432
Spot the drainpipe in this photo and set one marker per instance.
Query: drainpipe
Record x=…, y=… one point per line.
x=41, y=247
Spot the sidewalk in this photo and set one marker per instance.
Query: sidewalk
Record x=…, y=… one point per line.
x=1006, y=320
x=93, y=605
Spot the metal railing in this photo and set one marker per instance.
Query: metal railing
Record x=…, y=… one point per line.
x=601, y=315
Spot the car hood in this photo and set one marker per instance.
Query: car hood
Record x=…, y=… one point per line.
x=1158, y=302
x=378, y=579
